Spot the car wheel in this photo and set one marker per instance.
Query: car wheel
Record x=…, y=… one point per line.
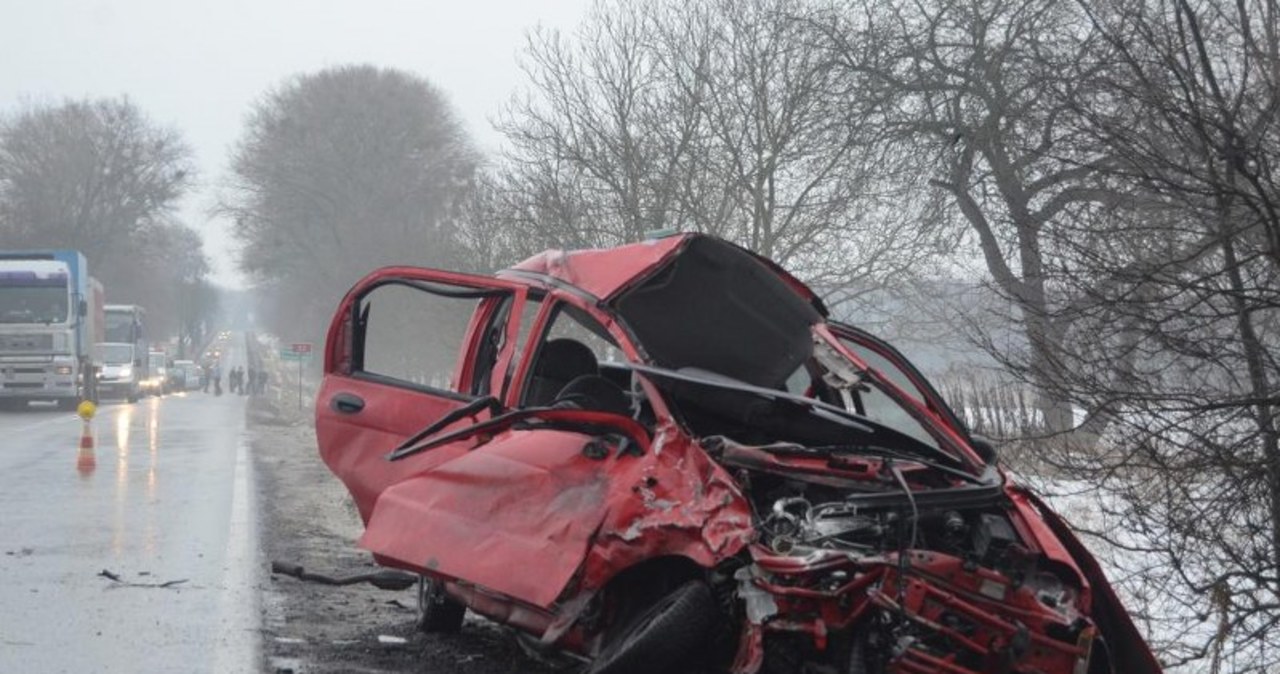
x=666, y=636
x=437, y=611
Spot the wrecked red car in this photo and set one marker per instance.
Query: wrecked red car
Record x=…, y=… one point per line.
x=664, y=456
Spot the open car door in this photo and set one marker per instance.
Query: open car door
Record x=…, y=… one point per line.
x=406, y=347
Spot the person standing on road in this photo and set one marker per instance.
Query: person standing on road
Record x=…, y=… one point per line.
x=262, y=382
x=205, y=376
x=251, y=379
x=217, y=379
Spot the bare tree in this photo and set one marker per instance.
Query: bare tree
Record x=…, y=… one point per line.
x=338, y=172
x=99, y=177
x=1113, y=163
x=987, y=90
x=90, y=175
x=1179, y=320
x=712, y=116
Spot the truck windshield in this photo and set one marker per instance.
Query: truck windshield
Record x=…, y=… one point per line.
x=33, y=304
x=121, y=327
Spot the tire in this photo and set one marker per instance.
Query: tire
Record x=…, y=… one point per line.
x=668, y=636
x=437, y=612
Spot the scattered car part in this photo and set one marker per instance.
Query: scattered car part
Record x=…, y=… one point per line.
x=385, y=579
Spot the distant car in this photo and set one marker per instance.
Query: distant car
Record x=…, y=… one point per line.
x=119, y=370
x=157, y=383
x=666, y=456
x=176, y=378
x=189, y=374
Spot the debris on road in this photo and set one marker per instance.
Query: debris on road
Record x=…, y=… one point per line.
x=120, y=582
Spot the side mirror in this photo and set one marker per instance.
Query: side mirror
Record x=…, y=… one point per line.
x=83, y=308
x=985, y=447
x=137, y=362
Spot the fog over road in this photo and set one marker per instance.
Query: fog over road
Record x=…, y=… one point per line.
x=170, y=498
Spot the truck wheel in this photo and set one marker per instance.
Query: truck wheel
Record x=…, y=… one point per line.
x=668, y=636
x=132, y=395
x=437, y=611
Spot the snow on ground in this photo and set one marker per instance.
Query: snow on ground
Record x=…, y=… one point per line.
x=1149, y=589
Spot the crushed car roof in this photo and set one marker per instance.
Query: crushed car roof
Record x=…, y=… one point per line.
x=604, y=272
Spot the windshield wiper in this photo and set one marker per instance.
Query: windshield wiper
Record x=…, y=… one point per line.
x=823, y=409
x=827, y=451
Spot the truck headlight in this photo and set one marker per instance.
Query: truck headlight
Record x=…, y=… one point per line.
x=126, y=372
x=62, y=369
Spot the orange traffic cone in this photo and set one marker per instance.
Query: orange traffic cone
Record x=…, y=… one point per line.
x=86, y=462
x=86, y=436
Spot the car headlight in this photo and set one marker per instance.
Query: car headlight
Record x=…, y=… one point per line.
x=126, y=372
x=62, y=369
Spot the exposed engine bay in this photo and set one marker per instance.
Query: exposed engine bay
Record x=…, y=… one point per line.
x=892, y=585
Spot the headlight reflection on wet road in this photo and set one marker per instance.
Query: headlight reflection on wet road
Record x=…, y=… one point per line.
x=120, y=522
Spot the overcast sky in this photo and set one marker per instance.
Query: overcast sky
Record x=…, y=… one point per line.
x=199, y=66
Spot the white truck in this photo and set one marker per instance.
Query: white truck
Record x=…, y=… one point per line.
x=50, y=317
x=123, y=356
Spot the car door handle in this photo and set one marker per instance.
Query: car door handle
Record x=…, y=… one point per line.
x=346, y=403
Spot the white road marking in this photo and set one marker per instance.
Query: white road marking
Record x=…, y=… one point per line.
x=237, y=648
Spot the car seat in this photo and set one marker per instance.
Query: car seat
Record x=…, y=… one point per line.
x=559, y=362
x=594, y=392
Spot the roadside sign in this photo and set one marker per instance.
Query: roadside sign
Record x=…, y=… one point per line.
x=297, y=352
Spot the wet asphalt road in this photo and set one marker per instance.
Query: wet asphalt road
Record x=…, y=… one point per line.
x=170, y=498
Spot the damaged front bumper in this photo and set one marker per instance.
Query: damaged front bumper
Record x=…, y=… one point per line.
x=921, y=613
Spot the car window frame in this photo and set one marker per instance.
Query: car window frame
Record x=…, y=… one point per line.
x=551, y=308
x=491, y=301
x=931, y=398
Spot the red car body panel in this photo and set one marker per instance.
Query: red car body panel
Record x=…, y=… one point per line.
x=530, y=516
x=601, y=272
x=477, y=514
